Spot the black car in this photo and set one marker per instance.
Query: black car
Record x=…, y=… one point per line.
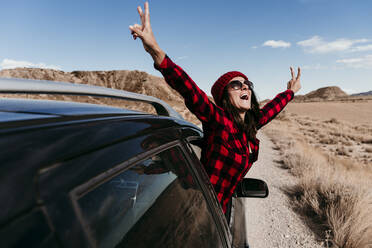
x=85, y=175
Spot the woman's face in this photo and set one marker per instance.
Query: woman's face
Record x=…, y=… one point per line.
x=240, y=99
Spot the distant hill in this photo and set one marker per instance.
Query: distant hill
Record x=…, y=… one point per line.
x=321, y=94
x=368, y=93
x=326, y=93
x=133, y=81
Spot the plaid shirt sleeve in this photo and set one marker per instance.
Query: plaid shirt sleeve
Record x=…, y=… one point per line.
x=273, y=108
x=195, y=99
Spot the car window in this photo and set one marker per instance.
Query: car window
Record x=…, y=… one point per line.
x=155, y=203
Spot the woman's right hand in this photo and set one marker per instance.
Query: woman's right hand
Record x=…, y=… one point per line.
x=144, y=32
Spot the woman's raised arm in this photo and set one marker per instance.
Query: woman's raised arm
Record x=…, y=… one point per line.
x=195, y=99
x=273, y=108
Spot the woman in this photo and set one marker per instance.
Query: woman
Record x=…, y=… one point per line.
x=230, y=124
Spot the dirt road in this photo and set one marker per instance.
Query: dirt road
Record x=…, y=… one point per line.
x=270, y=221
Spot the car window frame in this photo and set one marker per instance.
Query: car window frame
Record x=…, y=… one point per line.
x=207, y=188
x=94, y=182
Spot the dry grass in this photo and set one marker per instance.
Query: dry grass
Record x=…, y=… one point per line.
x=332, y=162
x=334, y=137
x=331, y=196
x=368, y=149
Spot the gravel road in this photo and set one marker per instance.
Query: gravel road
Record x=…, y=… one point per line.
x=270, y=221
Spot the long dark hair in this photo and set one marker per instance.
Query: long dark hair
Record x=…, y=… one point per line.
x=250, y=122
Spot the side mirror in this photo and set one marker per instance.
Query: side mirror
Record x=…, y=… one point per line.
x=251, y=187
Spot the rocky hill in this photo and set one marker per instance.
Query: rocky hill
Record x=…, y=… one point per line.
x=321, y=94
x=133, y=81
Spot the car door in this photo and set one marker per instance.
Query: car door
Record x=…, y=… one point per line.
x=151, y=198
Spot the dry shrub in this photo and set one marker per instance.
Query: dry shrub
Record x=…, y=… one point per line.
x=357, y=138
x=363, y=129
x=368, y=149
x=321, y=135
x=330, y=204
x=346, y=142
x=337, y=134
x=328, y=140
x=367, y=141
x=301, y=163
x=341, y=151
x=332, y=196
x=332, y=120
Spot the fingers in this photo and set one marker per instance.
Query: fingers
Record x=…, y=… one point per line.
x=298, y=73
x=143, y=18
x=141, y=30
x=147, y=13
x=133, y=33
x=136, y=30
x=292, y=73
x=137, y=26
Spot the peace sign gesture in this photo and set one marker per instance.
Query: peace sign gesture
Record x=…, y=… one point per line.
x=294, y=84
x=144, y=32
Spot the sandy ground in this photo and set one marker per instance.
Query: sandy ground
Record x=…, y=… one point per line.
x=352, y=112
x=270, y=221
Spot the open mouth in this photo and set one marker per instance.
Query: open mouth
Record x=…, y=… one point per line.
x=244, y=97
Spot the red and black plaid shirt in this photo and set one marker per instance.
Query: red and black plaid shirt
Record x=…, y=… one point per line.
x=225, y=154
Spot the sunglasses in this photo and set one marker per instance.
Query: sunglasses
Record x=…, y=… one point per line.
x=238, y=85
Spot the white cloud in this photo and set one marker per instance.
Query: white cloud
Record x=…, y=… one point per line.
x=316, y=44
x=10, y=64
x=254, y=47
x=359, y=62
x=362, y=48
x=276, y=43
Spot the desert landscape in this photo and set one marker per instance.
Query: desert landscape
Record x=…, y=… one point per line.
x=324, y=139
x=327, y=146
x=337, y=128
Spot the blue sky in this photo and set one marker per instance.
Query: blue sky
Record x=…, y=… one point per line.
x=330, y=39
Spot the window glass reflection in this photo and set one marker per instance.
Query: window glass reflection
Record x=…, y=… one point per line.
x=156, y=203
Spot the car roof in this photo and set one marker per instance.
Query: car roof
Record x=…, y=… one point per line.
x=30, y=109
x=31, y=113
x=27, y=86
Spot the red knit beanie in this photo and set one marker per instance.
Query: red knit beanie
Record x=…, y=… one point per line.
x=220, y=84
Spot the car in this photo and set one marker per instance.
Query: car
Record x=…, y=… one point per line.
x=85, y=175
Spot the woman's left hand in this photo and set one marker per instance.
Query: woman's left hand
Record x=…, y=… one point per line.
x=294, y=84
